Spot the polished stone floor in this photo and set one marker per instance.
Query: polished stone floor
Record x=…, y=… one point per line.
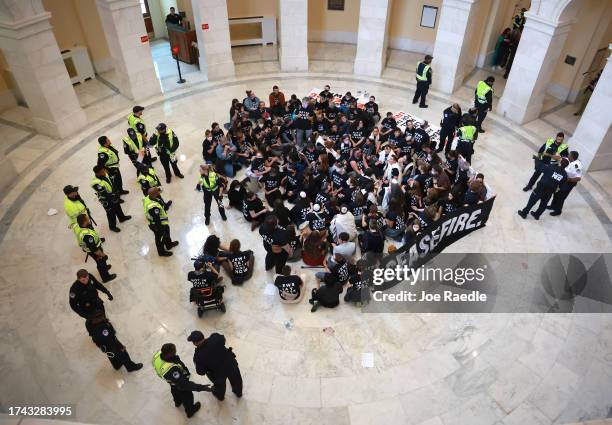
x=434, y=369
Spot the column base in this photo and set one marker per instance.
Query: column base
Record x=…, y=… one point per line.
x=218, y=71
x=63, y=127
x=368, y=68
x=518, y=113
x=293, y=63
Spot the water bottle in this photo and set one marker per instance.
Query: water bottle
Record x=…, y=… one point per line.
x=289, y=324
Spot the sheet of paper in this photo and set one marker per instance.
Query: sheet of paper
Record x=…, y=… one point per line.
x=367, y=359
x=270, y=289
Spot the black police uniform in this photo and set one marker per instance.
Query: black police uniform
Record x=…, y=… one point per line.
x=101, y=264
x=541, y=161
x=483, y=109
x=277, y=237
x=208, y=195
x=113, y=172
x=552, y=177
x=104, y=336
x=450, y=121
x=163, y=241
x=84, y=298
x=182, y=388
x=219, y=364
x=164, y=150
x=111, y=203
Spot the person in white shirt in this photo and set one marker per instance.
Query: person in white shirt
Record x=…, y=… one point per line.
x=392, y=165
x=344, y=222
x=574, y=175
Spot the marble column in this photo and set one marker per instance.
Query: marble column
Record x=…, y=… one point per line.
x=452, y=63
x=532, y=69
x=212, y=30
x=593, y=136
x=34, y=59
x=372, y=37
x=293, y=49
x=126, y=37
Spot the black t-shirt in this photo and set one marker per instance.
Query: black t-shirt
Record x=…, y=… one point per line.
x=388, y=123
x=299, y=211
x=254, y=205
x=374, y=242
x=201, y=279
x=270, y=182
x=277, y=236
x=292, y=181
x=371, y=108
x=340, y=271
x=552, y=177
x=420, y=137
x=206, y=145
x=288, y=286
x=339, y=180
x=240, y=262
x=302, y=118
x=328, y=295
x=398, y=220
x=357, y=134
x=311, y=156
x=332, y=113
x=316, y=220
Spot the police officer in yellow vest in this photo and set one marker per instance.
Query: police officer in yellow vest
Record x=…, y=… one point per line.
x=467, y=134
x=166, y=143
x=108, y=197
x=108, y=157
x=74, y=205
x=550, y=153
x=483, y=100
x=136, y=123
x=147, y=177
x=90, y=242
x=518, y=23
x=158, y=222
x=170, y=367
x=134, y=147
x=423, y=77
x=212, y=185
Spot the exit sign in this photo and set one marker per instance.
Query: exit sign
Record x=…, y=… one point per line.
x=204, y=27
x=144, y=38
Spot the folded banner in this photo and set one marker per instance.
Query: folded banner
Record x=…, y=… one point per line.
x=449, y=229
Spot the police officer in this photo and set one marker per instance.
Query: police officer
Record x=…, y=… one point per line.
x=423, y=77
x=158, y=222
x=211, y=184
x=90, y=243
x=136, y=118
x=550, y=152
x=108, y=197
x=467, y=135
x=166, y=143
x=574, y=175
x=553, y=176
x=84, y=298
x=147, y=177
x=134, y=146
x=519, y=20
x=450, y=120
x=169, y=367
x=74, y=205
x=109, y=157
x=483, y=100
x=213, y=359
x=104, y=336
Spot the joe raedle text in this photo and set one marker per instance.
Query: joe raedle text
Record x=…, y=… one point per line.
x=427, y=297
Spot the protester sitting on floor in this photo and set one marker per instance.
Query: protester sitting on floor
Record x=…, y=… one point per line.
x=290, y=286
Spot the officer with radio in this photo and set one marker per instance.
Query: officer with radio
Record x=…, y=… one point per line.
x=158, y=222
x=108, y=157
x=104, y=336
x=108, y=197
x=423, y=77
x=134, y=147
x=551, y=153
x=170, y=367
x=483, y=100
x=212, y=185
x=147, y=177
x=166, y=143
x=74, y=205
x=91, y=243
x=553, y=176
x=84, y=297
x=574, y=175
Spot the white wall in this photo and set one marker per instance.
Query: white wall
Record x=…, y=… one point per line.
x=159, y=24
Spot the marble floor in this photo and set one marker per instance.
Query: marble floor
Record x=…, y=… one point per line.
x=429, y=369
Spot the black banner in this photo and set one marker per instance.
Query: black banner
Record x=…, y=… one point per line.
x=449, y=229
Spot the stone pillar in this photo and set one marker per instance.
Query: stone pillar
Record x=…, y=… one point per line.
x=452, y=62
x=34, y=59
x=593, y=136
x=129, y=46
x=532, y=69
x=212, y=30
x=293, y=50
x=372, y=37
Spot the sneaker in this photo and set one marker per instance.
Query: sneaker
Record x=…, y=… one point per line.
x=522, y=214
x=109, y=278
x=526, y=188
x=115, y=229
x=125, y=218
x=173, y=244
x=165, y=254
x=315, y=306
x=196, y=407
x=534, y=215
x=135, y=367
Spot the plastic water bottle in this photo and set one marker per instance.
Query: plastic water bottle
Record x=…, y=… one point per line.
x=289, y=324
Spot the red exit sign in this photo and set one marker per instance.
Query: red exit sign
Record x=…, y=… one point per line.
x=144, y=38
x=204, y=27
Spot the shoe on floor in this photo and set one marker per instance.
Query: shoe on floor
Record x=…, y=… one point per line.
x=180, y=176
x=173, y=244
x=165, y=254
x=555, y=213
x=480, y=130
x=522, y=214
x=223, y=217
x=125, y=192
x=315, y=306
x=168, y=205
x=136, y=367
x=109, y=278
x=168, y=181
x=534, y=215
x=196, y=407
x=126, y=218
x=526, y=188
x=207, y=221
x=423, y=106
x=115, y=229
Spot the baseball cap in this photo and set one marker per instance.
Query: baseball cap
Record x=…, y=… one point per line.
x=195, y=336
x=69, y=189
x=137, y=108
x=428, y=57
x=161, y=126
